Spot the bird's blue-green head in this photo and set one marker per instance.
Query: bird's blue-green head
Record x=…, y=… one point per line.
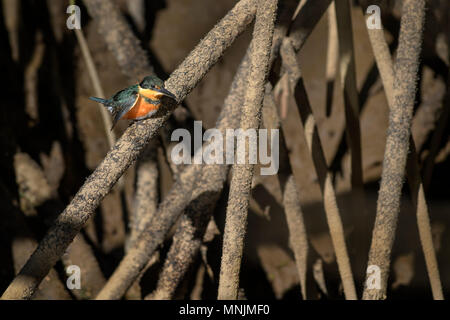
x=155, y=84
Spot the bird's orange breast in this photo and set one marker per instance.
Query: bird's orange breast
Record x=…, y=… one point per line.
x=140, y=109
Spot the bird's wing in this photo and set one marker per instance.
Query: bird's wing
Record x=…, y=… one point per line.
x=123, y=101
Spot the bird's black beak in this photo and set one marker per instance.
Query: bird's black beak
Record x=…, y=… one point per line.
x=166, y=93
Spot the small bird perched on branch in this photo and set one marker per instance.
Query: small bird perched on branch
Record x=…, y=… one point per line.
x=137, y=102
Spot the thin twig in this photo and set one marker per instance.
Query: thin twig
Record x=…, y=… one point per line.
x=400, y=118
x=31, y=79
x=236, y=217
x=332, y=55
x=146, y=198
x=126, y=150
x=98, y=90
x=11, y=13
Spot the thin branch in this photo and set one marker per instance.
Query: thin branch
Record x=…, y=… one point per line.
x=145, y=207
x=236, y=218
x=347, y=70
x=298, y=239
x=397, y=144
x=385, y=66
x=349, y=89
x=146, y=198
x=11, y=13
x=324, y=176
x=126, y=150
x=98, y=90
x=297, y=231
x=332, y=58
x=31, y=79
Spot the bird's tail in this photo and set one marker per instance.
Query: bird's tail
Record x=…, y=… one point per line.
x=99, y=100
x=102, y=101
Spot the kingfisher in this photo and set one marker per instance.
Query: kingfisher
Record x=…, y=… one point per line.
x=137, y=102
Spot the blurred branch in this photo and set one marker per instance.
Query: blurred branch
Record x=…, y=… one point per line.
x=22, y=245
x=31, y=78
x=297, y=231
x=400, y=117
x=298, y=239
x=11, y=12
x=237, y=209
x=347, y=70
x=126, y=150
x=436, y=139
x=305, y=21
x=80, y=253
x=127, y=49
x=146, y=198
x=98, y=90
x=146, y=203
x=332, y=58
